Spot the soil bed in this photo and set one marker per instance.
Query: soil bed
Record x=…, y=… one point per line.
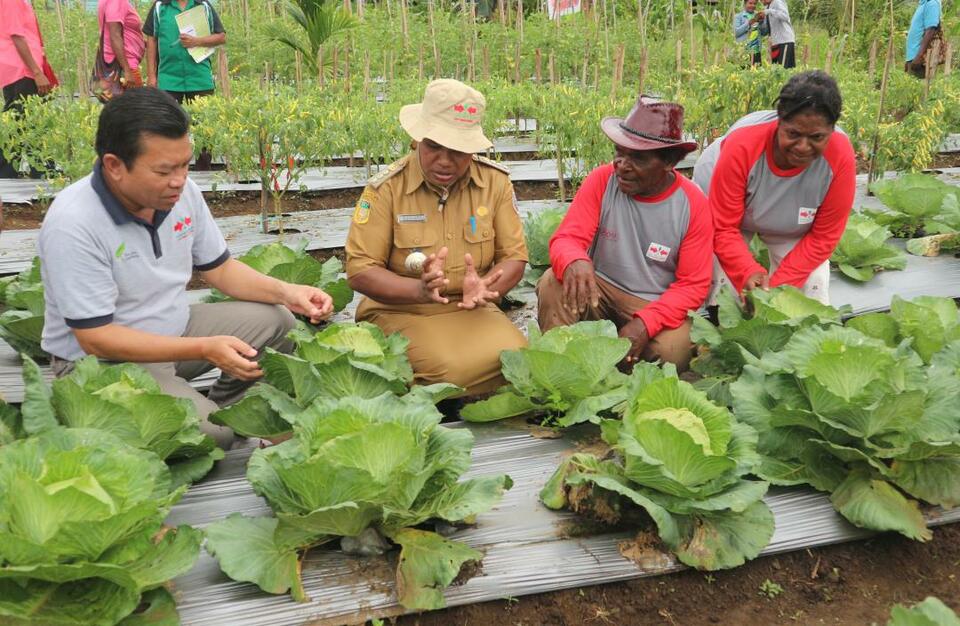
x=853, y=583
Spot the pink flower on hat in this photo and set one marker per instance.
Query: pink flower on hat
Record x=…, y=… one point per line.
x=458, y=108
x=471, y=110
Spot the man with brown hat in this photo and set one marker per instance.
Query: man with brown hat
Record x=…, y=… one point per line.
x=436, y=239
x=636, y=245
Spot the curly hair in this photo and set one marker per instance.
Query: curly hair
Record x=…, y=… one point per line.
x=815, y=91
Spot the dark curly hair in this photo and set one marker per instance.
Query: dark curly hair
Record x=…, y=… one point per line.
x=815, y=91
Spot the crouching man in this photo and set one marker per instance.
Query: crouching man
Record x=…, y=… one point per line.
x=118, y=248
x=636, y=245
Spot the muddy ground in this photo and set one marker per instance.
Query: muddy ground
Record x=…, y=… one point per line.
x=847, y=584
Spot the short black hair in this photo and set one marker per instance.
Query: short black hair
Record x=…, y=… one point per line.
x=814, y=90
x=671, y=156
x=126, y=118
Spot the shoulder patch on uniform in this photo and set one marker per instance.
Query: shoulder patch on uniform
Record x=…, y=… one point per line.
x=361, y=214
x=494, y=164
x=391, y=170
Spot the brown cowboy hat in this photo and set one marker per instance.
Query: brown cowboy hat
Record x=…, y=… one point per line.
x=650, y=125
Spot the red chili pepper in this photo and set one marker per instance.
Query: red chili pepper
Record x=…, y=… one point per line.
x=276, y=185
x=290, y=163
x=263, y=162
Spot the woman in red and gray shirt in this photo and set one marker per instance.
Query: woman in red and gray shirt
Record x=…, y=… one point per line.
x=789, y=176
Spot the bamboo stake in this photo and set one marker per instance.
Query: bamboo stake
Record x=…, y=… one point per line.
x=520, y=20
x=472, y=62
x=437, y=64
x=403, y=22
x=486, y=63
x=503, y=14
x=366, y=71
x=537, y=66
x=420, y=64
x=871, y=168
x=552, y=69
x=336, y=64
x=433, y=39
x=223, y=73
x=583, y=73
x=805, y=57
x=346, y=68
x=872, y=68
x=828, y=62
x=63, y=39
x=643, y=71
x=948, y=60
x=298, y=76
x=596, y=77
x=679, y=57
x=516, y=65
x=321, y=75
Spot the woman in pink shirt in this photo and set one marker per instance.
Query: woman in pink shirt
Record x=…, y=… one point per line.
x=120, y=28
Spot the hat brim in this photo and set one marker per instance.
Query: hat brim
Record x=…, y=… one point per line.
x=611, y=128
x=471, y=141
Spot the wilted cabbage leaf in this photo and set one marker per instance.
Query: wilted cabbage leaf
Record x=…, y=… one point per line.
x=81, y=516
x=356, y=464
x=683, y=460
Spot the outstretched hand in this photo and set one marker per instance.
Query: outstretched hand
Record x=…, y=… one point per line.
x=433, y=282
x=476, y=290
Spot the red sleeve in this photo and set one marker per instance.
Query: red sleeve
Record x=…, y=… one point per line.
x=694, y=268
x=818, y=244
x=575, y=234
x=728, y=189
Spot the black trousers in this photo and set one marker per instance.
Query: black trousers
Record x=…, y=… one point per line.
x=784, y=55
x=204, y=159
x=13, y=95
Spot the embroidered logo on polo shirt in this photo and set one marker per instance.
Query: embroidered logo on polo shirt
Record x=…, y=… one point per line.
x=183, y=228
x=805, y=215
x=658, y=252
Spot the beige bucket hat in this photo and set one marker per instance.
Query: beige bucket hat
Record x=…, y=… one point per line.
x=450, y=114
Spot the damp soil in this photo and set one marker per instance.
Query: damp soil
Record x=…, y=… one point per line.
x=847, y=584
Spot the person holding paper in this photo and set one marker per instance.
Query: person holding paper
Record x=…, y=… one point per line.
x=174, y=28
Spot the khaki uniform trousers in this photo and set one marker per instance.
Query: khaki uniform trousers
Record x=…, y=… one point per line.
x=260, y=325
x=671, y=345
x=461, y=347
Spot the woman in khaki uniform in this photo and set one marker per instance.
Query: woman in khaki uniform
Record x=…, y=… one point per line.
x=436, y=239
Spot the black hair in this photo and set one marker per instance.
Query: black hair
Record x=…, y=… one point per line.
x=814, y=90
x=671, y=156
x=126, y=118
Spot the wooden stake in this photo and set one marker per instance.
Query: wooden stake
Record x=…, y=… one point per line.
x=805, y=57
x=872, y=67
x=223, y=73
x=486, y=62
x=403, y=22
x=420, y=64
x=679, y=57
x=933, y=55
x=537, y=65
x=516, y=65
x=596, y=77
x=298, y=71
x=828, y=62
x=643, y=71
x=948, y=60
x=552, y=69
x=321, y=75
x=888, y=62
x=346, y=68
x=583, y=73
x=336, y=64
x=366, y=71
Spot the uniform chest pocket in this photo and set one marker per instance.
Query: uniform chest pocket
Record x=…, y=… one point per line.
x=409, y=236
x=480, y=244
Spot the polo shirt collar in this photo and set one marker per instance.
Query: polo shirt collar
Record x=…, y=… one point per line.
x=118, y=213
x=415, y=179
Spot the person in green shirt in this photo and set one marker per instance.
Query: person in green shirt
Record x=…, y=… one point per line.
x=169, y=64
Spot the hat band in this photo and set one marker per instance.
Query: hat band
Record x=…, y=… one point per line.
x=648, y=135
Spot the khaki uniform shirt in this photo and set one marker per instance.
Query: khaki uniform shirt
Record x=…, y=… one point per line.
x=399, y=213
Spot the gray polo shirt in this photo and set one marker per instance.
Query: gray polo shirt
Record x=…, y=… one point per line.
x=101, y=265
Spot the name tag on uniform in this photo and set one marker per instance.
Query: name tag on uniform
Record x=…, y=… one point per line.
x=413, y=218
x=658, y=252
x=805, y=215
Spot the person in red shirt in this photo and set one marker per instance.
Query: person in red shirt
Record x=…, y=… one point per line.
x=635, y=246
x=789, y=176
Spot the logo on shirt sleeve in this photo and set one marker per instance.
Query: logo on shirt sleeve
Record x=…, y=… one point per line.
x=658, y=252
x=806, y=215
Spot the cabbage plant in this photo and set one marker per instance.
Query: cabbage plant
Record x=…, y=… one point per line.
x=21, y=324
x=364, y=470
x=569, y=373
x=344, y=359
x=537, y=230
x=123, y=400
x=916, y=203
x=863, y=249
x=81, y=536
x=683, y=460
x=867, y=422
x=745, y=334
x=929, y=322
x=295, y=265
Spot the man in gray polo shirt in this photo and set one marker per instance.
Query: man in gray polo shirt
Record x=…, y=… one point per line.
x=118, y=248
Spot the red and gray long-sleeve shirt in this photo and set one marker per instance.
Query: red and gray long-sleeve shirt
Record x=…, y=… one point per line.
x=656, y=248
x=750, y=194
